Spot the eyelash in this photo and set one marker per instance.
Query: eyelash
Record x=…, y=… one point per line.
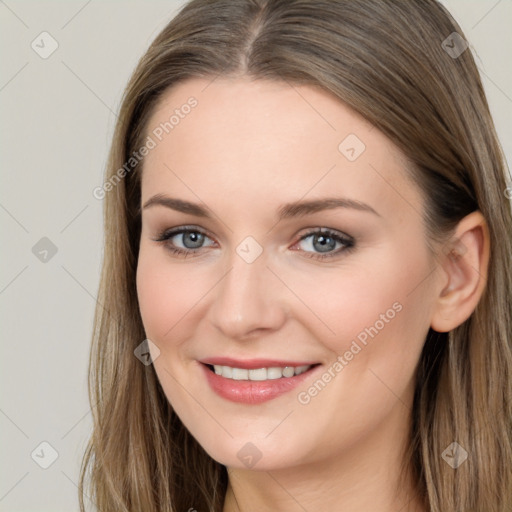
x=348, y=242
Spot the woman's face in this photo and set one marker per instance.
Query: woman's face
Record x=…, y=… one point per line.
x=267, y=167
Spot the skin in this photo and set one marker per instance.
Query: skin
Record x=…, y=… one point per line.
x=245, y=150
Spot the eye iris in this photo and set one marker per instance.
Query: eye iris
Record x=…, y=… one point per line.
x=192, y=239
x=323, y=243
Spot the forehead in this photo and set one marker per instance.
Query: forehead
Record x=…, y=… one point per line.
x=267, y=142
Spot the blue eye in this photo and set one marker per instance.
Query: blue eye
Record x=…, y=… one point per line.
x=319, y=244
x=325, y=243
x=184, y=241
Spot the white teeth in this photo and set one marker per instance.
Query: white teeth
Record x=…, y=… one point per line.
x=302, y=369
x=288, y=371
x=259, y=373
x=240, y=374
x=274, y=373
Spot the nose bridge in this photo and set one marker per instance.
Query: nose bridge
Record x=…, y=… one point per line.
x=247, y=299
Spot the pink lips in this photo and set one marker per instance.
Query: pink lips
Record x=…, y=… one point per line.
x=252, y=392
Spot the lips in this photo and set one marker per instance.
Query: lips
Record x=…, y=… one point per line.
x=254, y=381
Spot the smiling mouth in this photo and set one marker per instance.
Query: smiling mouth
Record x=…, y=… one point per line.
x=259, y=374
x=259, y=381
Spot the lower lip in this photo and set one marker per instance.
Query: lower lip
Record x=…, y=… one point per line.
x=253, y=391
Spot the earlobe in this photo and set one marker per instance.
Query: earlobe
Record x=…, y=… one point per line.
x=464, y=265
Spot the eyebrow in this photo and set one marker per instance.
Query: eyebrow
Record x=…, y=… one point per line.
x=287, y=211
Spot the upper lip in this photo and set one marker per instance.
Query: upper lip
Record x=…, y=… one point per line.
x=251, y=364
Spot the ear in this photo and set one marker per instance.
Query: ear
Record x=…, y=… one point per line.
x=464, y=265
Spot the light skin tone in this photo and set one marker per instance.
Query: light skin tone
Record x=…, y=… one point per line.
x=248, y=148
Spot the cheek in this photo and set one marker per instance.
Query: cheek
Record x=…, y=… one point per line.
x=165, y=294
x=380, y=320
x=384, y=300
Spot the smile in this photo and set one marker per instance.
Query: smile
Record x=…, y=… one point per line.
x=256, y=381
x=259, y=374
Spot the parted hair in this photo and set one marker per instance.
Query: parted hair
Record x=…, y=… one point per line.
x=389, y=61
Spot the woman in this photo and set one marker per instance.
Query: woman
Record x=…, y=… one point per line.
x=306, y=288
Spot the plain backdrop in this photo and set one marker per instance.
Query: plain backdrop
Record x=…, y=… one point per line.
x=57, y=118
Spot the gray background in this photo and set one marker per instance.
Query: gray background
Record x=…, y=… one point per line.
x=57, y=118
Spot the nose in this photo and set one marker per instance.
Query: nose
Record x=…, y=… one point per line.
x=249, y=300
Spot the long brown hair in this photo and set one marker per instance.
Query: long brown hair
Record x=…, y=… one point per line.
x=393, y=62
